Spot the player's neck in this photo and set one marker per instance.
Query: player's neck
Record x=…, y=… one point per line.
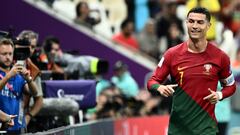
x=197, y=46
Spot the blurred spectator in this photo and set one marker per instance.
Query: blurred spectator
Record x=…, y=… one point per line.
x=102, y=83
x=236, y=62
x=141, y=14
x=33, y=107
x=226, y=42
x=133, y=107
x=168, y=17
x=172, y=38
x=143, y=95
x=126, y=37
x=118, y=105
x=54, y=53
x=148, y=41
x=174, y=35
x=112, y=103
x=104, y=108
x=214, y=7
x=15, y=80
x=237, y=38
x=123, y=80
x=109, y=110
x=83, y=15
x=151, y=107
x=130, y=9
x=230, y=14
x=154, y=7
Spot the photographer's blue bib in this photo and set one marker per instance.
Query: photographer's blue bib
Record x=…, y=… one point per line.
x=11, y=97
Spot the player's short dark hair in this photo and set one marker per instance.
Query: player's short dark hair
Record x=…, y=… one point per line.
x=201, y=10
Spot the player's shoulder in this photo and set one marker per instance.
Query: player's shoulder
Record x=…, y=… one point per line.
x=214, y=50
x=177, y=48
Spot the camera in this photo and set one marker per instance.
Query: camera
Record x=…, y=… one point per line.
x=21, y=47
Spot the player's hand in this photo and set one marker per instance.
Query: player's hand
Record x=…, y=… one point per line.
x=213, y=97
x=167, y=90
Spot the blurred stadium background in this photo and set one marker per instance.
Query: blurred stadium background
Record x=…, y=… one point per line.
x=73, y=108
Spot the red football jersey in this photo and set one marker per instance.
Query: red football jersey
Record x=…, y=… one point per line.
x=194, y=73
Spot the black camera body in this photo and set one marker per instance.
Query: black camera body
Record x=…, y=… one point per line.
x=21, y=46
x=21, y=49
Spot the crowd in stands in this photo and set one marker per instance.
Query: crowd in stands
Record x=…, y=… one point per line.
x=150, y=27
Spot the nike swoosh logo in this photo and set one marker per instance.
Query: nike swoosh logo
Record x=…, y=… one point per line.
x=182, y=68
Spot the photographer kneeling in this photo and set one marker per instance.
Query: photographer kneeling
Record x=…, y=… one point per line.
x=15, y=80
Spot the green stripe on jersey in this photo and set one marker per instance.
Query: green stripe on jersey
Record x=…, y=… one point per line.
x=155, y=86
x=188, y=118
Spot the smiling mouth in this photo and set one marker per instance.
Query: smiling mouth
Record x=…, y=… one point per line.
x=195, y=31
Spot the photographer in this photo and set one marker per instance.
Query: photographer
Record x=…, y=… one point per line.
x=56, y=63
x=33, y=104
x=15, y=80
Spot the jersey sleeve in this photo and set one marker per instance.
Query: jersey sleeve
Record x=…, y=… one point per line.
x=227, y=78
x=161, y=72
x=225, y=65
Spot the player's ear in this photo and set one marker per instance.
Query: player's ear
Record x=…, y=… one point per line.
x=209, y=25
